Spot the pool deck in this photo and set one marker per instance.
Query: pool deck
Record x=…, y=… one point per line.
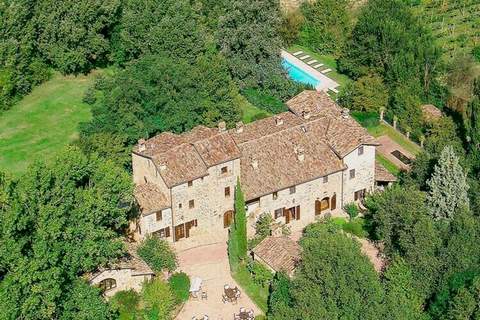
x=325, y=82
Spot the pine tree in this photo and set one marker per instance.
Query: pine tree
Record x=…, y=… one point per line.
x=447, y=187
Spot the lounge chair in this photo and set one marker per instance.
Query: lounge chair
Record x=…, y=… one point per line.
x=311, y=62
x=304, y=57
x=334, y=90
x=297, y=53
x=326, y=71
x=318, y=65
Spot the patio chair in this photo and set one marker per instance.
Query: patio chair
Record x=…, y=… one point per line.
x=242, y=309
x=205, y=317
x=226, y=286
x=224, y=298
x=236, y=316
x=204, y=295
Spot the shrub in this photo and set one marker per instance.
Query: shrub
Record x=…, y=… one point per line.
x=264, y=100
x=260, y=274
x=180, y=285
x=158, y=300
x=352, y=210
x=157, y=254
x=476, y=53
x=291, y=23
x=89, y=96
x=126, y=302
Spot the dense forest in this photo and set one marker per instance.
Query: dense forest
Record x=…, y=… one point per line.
x=174, y=64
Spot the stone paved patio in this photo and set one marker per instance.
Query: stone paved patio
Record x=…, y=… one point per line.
x=387, y=145
x=210, y=262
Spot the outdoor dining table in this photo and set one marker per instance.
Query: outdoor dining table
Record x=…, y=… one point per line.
x=244, y=315
x=230, y=293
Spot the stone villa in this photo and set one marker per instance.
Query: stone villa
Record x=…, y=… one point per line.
x=298, y=166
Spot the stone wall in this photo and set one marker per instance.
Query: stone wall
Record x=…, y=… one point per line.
x=124, y=278
x=305, y=196
x=364, y=166
x=208, y=194
x=149, y=224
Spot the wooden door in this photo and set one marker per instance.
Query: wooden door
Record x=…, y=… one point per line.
x=318, y=208
x=188, y=226
x=333, y=206
x=287, y=213
x=179, y=232
x=227, y=218
x=297, y=213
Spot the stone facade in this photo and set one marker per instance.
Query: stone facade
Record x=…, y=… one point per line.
x=124, y=279
x=297, y=166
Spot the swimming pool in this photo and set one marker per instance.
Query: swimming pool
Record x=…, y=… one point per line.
x=298, y=75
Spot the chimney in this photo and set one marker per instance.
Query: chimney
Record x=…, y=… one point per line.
x=142, y=145
x=345, y=113
x=278, y=121
x=306, y=114
x=162, y=167
x=222, y=126
x=239, y=127
x=254, y=163
x=300, y=154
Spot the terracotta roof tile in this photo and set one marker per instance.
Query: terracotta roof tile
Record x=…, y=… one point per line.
x=280, y=253
x=180, y=164
x=217, y=149
x=150, y=198
x=430, y=112
x=382, y=174
x=279, y=166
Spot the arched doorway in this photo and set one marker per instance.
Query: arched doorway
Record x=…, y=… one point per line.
x=107, y=284
x=322, y=205
x=227, y=218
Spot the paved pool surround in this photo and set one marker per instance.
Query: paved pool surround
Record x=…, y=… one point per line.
x=325, y=83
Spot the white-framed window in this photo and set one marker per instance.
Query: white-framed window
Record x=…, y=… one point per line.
x=352, y=173
x=293, y=190
x=325, y=179
x=360, y=150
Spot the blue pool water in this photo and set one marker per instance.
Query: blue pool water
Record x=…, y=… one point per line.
x=298, y=75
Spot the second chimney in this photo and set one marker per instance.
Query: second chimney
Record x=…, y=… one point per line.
x=142, y=145
x=222, y=126
x=278, y=121
x=254, y=163
x=306, y=114
x=300, y=154
x=239, y=127
x=345, y=113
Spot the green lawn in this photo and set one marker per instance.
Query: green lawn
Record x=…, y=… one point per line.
x=328, y=60
x=355, y=226
x=392, y=168
x=383, y=129
x=42, y=122
x=257, y=293
x=250, y=112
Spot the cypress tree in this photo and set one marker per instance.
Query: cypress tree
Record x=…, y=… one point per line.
x=237, y=242
x=448, y=186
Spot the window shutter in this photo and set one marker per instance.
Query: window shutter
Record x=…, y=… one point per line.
x=333, y=206
x=298, y=213
x=167, y=232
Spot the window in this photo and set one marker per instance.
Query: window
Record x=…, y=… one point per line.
x=275, y=195
x=292, y=190
x=107, y=284
x=360, y=150
x=190, y=183
x=179, y=206
x=191, y=204
x=278, y=213
x=162, y=233
x=325, y=179
x=224, y=170
x=227, y=192
x=158, y=215
x=352, y=173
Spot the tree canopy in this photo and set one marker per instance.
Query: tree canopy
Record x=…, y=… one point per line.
x=58, y=221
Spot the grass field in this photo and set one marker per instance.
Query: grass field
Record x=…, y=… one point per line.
x=42, y=122
x=250, y=112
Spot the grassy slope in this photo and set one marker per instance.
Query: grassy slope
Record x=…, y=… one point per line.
x=44, y=121
x=454, y=24
x=258, y=294
x=249, y=111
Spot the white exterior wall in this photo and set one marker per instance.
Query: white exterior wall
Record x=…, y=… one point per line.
x=364, y=166
x=149, y=223
x=125, y=279
x=305, y=196
x=209, y=197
